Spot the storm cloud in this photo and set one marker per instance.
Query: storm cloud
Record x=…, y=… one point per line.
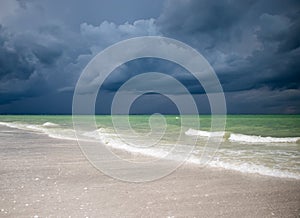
x=250, y=44
x=253, y=46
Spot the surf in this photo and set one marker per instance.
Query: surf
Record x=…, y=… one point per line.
x=237, y=137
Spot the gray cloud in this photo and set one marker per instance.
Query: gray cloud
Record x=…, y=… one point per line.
x=37, y=48
x=264, y=101
x=253, y=46
x=250, y=44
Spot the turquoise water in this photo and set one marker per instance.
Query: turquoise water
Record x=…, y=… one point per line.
x=263, y=144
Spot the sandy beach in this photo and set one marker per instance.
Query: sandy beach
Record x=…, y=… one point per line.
x=45, y=177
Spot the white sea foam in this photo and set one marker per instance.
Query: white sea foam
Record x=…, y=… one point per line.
x=49, y=124
x=194, y=132
x=12, y=125
x=58, y=133
x=260, y=139
x=235, y=137
x=115, y=142
x=247, y=168
x=253, y=169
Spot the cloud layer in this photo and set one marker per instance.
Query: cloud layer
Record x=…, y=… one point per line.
x=253, y=46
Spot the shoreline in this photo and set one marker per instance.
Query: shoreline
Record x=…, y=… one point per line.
x=44, y=176
x=252, y=169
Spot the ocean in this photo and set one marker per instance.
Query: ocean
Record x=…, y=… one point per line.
x=259, y=144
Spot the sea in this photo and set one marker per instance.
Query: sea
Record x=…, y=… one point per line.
x=256, y=144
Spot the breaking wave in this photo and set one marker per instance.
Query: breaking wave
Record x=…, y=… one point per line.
x=235, y=137
x=110, y=139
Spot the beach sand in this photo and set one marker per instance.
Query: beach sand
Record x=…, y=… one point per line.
x=45, y=177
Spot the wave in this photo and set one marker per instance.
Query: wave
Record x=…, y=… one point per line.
x=235, y=137
x=260, y=139
x=12, y=125
x=49, y=124
x=247, y=168
x=253, y=169
x=194, y=132
x=112, y=140
x=115, y=142
x=58, y=133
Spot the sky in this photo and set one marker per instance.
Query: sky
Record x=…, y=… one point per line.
x=253, y=46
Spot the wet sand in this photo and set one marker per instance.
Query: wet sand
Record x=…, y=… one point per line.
x=45, y=177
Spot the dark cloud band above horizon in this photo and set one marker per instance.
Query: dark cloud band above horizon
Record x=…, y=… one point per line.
x=253, y=46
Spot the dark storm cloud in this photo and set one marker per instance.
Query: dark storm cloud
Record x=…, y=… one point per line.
x=192, y=17
x=47, y=55
x=144, y=65
x=27, y=59
x=14, y=64
x=252, y=45
x=291, y=39
x=40, y=45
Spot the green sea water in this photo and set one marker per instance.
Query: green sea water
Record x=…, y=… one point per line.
x=264, y=144
x=263, y=125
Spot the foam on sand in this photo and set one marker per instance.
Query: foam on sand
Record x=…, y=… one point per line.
x=58, y=133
